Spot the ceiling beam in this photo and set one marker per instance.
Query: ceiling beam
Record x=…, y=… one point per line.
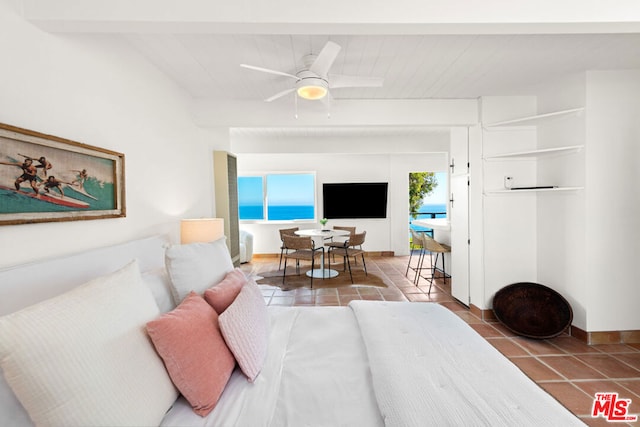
x=335, y=16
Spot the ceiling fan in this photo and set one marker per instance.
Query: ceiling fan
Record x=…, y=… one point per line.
x=313, y=81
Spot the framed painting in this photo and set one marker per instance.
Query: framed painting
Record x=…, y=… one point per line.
x=45, y=178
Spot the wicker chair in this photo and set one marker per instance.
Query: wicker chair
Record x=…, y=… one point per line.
x=303, y=249
x=350, y=248
x=283, y=248
x=340, y=243
x=432, y=246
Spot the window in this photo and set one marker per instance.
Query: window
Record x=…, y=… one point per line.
x=277, y=197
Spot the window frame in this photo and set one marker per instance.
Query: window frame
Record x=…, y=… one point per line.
x=265, y=198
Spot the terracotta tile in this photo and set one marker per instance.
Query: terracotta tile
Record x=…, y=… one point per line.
x=614, y=348
x=345, y=299
x=372, y=297
x=631, y=359
x=327, y=299
x=538, y=347
x=572, y=345
x=534, y=369
x=507, y=347
x=601, y=386
x=574, y=399
x=609, y=366
x=570, y=367
x=633, y=385
x=485, y=330
x=277, y=300
x=468, y=317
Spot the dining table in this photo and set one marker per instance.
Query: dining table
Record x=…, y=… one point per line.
x=319, y=236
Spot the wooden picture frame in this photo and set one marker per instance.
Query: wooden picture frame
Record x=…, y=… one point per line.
x=45, y=178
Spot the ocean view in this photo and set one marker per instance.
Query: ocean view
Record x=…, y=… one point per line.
x=283, y=213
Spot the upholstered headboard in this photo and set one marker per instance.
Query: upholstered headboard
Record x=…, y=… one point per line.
x=28, y=284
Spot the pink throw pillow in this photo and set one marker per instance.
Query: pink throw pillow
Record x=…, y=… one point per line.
x=245, y=327
x=222, y=295
x=194, y=352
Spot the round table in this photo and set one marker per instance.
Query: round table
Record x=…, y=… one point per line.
x=319, y=236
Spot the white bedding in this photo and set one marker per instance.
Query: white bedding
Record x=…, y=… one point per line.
x=379, y=363
x=430, y=368
x=316, y=374
x=369, y=364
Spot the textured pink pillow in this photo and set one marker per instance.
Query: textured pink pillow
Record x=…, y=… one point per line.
x=222, y=295
x=198, y=361
x=245, y=327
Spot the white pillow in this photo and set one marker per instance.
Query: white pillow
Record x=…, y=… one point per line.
x=197, y=267
x=245, y=327
x=84, y=358
x=160, y=285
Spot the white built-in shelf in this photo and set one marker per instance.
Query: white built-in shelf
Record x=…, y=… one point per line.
x=533, y=190
x=536, y=153
x=533, y=120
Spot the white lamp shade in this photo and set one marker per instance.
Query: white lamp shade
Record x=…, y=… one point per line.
x=201, y=230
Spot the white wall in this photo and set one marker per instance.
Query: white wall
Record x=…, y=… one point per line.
x=612, y=199
x=348, y=160
x=93, y=90
x=562, y=238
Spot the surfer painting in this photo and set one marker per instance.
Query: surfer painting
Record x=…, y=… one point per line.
x=55, y=179
x=29, y=173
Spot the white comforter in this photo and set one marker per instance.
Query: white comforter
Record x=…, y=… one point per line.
x=379, y=363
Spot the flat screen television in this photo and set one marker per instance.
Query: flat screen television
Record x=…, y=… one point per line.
x=355, y=200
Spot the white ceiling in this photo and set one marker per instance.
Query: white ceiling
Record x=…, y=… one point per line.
x=413, y=66
x=423, y=49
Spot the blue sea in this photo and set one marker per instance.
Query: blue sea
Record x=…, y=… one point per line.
x=282, y=213
x=255, y=212
x=427, y=212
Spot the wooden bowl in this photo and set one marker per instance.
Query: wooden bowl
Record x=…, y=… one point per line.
x=532, y=310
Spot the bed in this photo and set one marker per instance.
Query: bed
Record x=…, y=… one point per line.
x=366, y=364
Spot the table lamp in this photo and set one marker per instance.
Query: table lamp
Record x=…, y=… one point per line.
x=201, y=230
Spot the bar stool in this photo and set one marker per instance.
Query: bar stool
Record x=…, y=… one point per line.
x=416, y=243
x=432, y=246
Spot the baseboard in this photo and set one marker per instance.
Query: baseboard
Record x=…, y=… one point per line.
x=367, y=254
x=606, y=337
x=592, y=338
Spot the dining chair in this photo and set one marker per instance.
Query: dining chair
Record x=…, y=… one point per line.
x=341, y=239
x=283, y=248
x=302, y=248
x=352, y=247
x=434, y=247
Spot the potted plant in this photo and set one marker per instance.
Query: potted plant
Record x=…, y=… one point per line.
x=323, y=222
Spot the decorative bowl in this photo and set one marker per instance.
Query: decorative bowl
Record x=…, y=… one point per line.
x=532, y=310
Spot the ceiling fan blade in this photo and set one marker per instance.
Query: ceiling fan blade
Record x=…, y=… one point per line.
x=325, y=59
x=338, y=81
x=279, y=95
x=266, y=70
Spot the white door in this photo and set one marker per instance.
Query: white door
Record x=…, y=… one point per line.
x=459, y=213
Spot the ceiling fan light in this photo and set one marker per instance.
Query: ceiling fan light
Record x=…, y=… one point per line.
x=312, y=92
x=311, y=87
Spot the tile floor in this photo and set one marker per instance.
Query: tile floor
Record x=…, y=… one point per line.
x=565, y=367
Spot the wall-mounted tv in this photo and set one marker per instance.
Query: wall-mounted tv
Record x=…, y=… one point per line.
x=355, y=200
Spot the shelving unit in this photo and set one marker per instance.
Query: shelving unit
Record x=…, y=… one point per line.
x=536, y=153
x=533, y=190
x=532, y=155
x=533, y=120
